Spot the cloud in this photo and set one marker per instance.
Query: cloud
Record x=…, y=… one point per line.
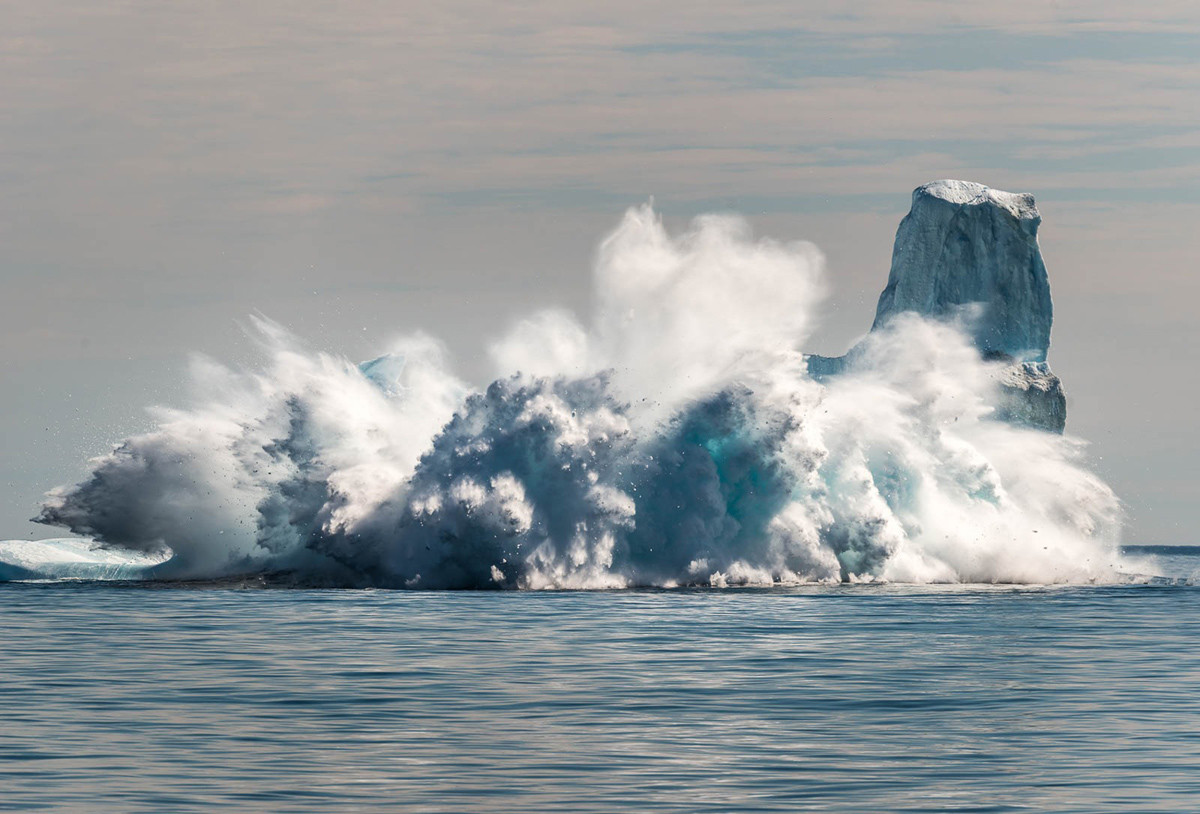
x=198, y=107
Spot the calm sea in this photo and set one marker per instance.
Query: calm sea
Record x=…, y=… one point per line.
x=849, y=699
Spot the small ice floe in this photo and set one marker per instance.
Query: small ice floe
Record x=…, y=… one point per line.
x=71, y=558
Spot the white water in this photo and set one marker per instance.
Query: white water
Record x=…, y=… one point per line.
x=673, y=438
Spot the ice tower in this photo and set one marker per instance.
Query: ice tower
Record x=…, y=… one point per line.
x=969, y=253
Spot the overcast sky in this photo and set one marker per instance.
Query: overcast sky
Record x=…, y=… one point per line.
x=357, y=170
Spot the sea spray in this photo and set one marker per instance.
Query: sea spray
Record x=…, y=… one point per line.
x=676, y=437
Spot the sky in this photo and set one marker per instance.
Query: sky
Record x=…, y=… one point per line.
x=362, y=169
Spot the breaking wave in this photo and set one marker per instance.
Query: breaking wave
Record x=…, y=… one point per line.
x=674, y=438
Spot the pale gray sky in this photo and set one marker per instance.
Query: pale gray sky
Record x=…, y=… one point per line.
x=360, y=169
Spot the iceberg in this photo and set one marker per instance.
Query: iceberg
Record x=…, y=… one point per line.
x=968, y=253
x=963, y=244
x=674, y=438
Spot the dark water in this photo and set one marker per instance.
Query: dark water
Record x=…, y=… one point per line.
x=855, y=699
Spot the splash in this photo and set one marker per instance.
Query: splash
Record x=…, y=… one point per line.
x=676, y=437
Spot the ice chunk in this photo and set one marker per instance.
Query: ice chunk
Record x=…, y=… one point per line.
x=1031, y=394
x=71, y=558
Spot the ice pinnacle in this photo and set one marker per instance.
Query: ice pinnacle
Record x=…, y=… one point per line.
x=969, y=253
x=966, y=245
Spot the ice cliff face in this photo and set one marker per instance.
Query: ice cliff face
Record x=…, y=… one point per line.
x=964, y=244
x=969, y=253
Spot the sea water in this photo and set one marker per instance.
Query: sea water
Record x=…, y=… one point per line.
x=152, y=698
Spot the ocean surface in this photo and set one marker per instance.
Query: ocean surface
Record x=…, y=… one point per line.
x=856, y=698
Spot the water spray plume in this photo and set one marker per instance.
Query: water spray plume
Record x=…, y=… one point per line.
x=674, y=437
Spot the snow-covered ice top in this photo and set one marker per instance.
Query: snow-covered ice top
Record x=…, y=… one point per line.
x=1019, y=204
x=963, y=243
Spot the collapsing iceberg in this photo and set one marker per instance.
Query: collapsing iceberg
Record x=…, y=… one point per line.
x=969, y=253
x=679, y=436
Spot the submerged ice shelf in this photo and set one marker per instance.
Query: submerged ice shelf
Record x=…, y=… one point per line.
x=72, y=558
